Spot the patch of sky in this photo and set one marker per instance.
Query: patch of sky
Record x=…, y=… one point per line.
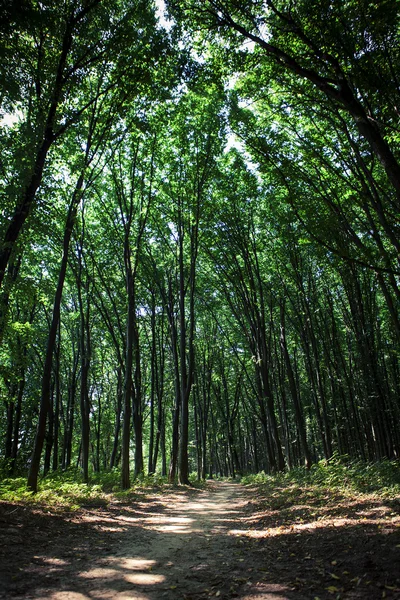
x=11, y=119
x=161, y=14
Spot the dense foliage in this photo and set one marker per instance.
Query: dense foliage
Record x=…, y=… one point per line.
x=199, y=236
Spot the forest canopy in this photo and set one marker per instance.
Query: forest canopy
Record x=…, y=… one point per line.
x=199, y=235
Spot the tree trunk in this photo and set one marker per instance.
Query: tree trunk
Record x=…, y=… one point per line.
x=117, y=427
x=85, y=353
x=128, y=385
x=293, y=391
x=51, y=342
x=57, y=406
x=137, y=404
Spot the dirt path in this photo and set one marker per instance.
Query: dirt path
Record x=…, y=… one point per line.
x=191, y=544
x=174, y=545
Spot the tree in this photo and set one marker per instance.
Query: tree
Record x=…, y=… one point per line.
x=94, y=139
x=53, y=88
x=285, y=33
x=219, y=287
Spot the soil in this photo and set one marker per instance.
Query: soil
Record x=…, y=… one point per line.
x=224, y=541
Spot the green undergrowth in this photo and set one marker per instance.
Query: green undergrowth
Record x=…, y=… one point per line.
x=67, y=491
x=337, y=474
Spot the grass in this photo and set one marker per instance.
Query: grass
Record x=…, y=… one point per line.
x=338, y=474
x=67, y=491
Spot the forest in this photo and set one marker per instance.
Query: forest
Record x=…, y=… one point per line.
x=199, y=236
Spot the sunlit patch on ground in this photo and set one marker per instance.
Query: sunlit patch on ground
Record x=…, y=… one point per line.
x=67, y=595
x=134, y=564
x=267, y=591
x=144, y=578
x=379, y=518
x=99, y=572
x=51, y=561
x=226, y=542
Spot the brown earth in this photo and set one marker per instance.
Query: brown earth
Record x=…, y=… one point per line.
x=225, y=541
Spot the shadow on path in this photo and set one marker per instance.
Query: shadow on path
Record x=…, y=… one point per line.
x=193, y=544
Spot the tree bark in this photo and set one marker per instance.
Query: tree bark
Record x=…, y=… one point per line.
x=294, y=392
x=51, y=342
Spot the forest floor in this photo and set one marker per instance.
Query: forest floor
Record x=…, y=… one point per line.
x=224, y=541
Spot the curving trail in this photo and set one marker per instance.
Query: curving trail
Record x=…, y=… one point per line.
x=188, y=544
x=182, y=545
